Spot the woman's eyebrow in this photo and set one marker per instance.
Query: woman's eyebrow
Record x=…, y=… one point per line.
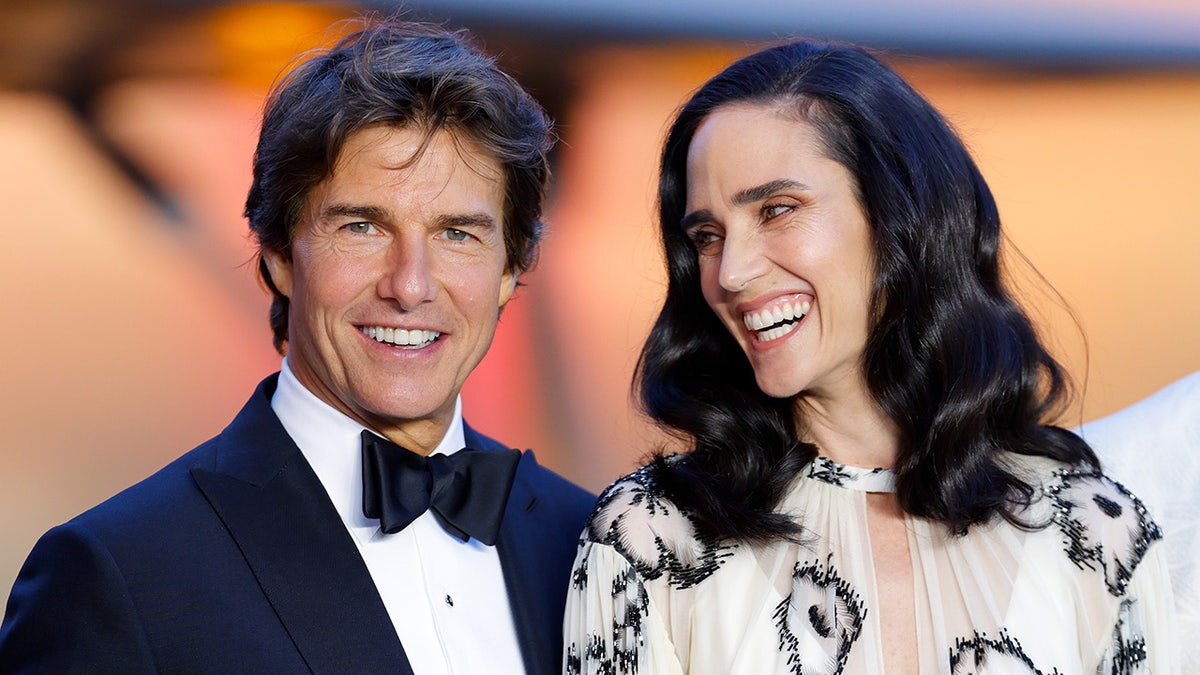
x=749, y=195
x=695, y=218
x=761, y=192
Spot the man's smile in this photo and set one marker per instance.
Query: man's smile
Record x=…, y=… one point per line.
x=401, y=337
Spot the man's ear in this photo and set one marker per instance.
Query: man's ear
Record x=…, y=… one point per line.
x=279, y=266
x=508, y=286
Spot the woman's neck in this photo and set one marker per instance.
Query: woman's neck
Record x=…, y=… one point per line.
x=849, y=428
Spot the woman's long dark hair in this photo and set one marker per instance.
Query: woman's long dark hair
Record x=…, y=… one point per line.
x=950, y=357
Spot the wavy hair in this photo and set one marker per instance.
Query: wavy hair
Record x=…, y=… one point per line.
x=394, y=73
x=950, y=358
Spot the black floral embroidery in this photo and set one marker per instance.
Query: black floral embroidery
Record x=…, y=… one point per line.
x=596, y=657
x=579, y=575
x=1106, y=528
x=657, y=537
x=1128, y=655
x=572, y=663
x=829, y=472
x=869, y=480
x=621, y=649
x=981, y=654
x=824, y=610
x=628, y=636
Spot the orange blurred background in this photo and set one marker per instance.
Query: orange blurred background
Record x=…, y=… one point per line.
x=135, y=329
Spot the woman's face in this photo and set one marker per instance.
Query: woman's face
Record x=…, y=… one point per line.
x=784, y=249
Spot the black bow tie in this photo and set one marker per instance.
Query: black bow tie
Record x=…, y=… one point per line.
x=466, y=491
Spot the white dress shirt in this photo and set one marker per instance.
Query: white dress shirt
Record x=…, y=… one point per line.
x=446, y=597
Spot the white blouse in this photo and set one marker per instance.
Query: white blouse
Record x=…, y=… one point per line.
x=1087, y=593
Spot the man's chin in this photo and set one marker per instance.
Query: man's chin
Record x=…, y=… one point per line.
x=402, y=411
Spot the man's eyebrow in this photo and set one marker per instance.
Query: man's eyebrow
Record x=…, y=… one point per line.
x=373, y=213
x=378, y=214
x=467, y=220
x=761, y=192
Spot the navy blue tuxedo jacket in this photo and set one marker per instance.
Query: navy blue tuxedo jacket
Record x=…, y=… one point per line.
x=232, y=559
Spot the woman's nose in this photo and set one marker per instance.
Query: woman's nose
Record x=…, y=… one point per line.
x=742, y=261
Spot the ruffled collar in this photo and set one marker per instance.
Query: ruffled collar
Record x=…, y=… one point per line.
x=852, y=477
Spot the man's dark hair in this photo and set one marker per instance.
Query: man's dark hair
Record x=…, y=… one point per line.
x=398, y=74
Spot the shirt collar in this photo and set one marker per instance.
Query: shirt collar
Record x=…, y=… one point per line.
x=330, y=441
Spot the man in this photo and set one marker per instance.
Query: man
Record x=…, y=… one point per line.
x=335, y=525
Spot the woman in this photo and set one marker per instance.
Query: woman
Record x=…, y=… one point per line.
x=873, y=483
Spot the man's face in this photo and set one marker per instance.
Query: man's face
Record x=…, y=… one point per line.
x=396, y=279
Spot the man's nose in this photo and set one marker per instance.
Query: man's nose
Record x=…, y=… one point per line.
x=408, y=273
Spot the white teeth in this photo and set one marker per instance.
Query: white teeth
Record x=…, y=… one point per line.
x=401, y=337
x=778, y=314
x=777, y=332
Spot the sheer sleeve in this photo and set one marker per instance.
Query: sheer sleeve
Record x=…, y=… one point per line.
x=611, y=625
x=1120, y=552
x=1144, y=635
x=630, y=605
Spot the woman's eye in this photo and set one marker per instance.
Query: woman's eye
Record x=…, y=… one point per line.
x=703, y=239
x=771, y=211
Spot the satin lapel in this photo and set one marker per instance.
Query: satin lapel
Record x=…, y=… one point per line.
x=528, y=575
x=292, y=538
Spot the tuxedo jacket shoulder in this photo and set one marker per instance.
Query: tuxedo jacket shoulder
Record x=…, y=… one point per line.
x=233, y=559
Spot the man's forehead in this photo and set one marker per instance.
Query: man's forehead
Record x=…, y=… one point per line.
x=416, y=146
x=387, y=173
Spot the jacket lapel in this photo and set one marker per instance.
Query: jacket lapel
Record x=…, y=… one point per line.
x=276, y=509
x=528, y=574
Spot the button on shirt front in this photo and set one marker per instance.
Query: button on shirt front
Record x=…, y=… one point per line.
x=446, y=598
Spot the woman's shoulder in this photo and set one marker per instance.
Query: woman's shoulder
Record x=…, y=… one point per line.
x=657, y=537
x=1102, y=525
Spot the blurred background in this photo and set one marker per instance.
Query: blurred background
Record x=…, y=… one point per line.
x=134, y=327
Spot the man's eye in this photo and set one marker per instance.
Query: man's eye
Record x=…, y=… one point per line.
x=456, y=235
x=360, y=228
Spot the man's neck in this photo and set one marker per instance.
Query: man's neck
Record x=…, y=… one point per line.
x=303, y=410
